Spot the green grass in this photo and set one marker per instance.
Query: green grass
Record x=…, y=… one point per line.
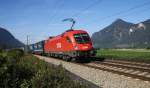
x=125, y=54
x=2, y=53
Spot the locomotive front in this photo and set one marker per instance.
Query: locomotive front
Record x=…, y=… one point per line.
x=82, y=44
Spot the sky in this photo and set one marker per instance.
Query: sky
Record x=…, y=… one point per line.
x=40, y=19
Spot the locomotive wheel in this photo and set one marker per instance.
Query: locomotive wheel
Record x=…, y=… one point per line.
x=66, y=58
x=55, y=55
x=73, y=59
x=49, y=54
x=60, y=56
x=63, y=57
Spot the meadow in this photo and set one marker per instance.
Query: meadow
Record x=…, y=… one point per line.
x=142, y=55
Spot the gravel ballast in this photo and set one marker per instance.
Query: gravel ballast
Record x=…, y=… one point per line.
x=98, y=77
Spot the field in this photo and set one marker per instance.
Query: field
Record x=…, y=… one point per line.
x=141, y=55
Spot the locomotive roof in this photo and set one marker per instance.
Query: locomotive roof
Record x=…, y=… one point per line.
x=75, y=31
x=68, y=32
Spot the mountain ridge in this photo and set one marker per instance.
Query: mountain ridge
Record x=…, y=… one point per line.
x=7, y=40
x=122, y=34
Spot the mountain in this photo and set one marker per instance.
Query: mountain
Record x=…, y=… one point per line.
x=7, y=40
x=122, y=34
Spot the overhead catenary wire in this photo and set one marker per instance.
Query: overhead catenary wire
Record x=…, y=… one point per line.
x=145, y=10
x=57, y=6
x=76, y=14
x=104, y=18
x=86, y=8
x=121, y=12
x=135, y=14
x=139, y=11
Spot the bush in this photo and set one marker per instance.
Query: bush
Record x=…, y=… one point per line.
x=15, y=53
x=54, y=78
x=2, y=60
x=148, y=47
x=28, y=71
x=1, y=50
x=14, y=76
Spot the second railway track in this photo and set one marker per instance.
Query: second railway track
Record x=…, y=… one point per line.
x=131, y=70
x=134, y=67
x=129, y=63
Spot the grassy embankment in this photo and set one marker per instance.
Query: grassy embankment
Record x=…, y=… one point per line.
x=26, y=71
x=141, y=55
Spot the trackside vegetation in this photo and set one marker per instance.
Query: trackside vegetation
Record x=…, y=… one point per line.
x=139, y=55
x=26, y=71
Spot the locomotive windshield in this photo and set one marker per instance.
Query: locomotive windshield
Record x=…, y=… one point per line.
x=82, y=38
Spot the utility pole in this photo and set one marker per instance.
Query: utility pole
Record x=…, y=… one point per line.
x=27, y=40
x=27, y=45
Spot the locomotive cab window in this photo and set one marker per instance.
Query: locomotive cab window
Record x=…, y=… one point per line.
x=68, y=40
x=82, y=38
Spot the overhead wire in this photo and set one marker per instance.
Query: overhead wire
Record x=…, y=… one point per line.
x=57, y=6
x=121, y=12
x=134, y=14
x=138, y=12
x=86, y=8
x=81, y=11
x=107, y=17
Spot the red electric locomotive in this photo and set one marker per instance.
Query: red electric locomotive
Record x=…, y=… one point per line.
x=71, y=44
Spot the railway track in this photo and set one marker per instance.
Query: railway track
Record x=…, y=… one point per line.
x=129, y=69
x=129, y=63
x=108, y=76
x=139, y=68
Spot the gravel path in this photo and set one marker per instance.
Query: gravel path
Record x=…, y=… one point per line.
x=98, y=77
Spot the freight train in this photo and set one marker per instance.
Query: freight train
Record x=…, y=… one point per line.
x=72, y=44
